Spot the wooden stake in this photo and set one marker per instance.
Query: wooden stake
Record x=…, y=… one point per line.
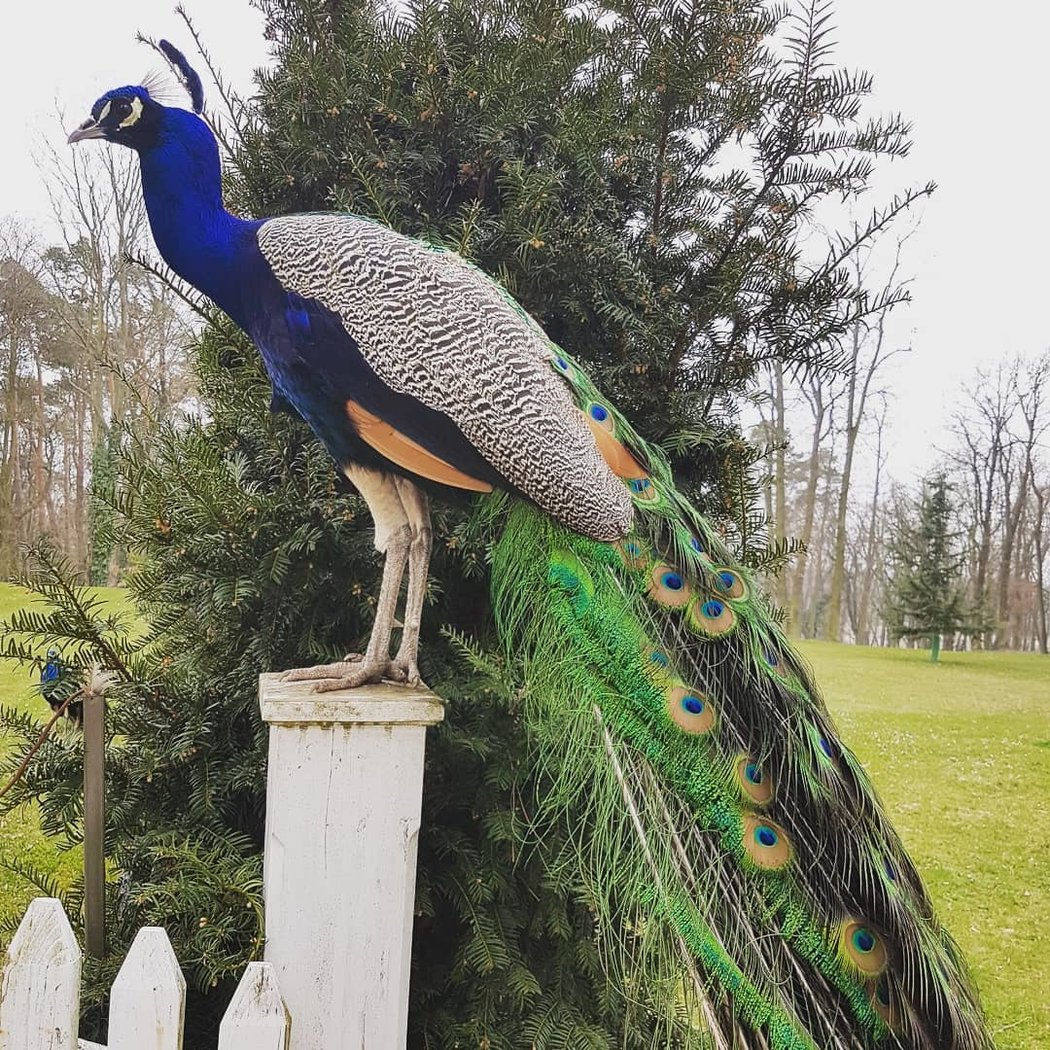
x=94, y=824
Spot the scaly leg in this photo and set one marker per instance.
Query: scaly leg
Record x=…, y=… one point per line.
x=393, y=536
x=417, y=510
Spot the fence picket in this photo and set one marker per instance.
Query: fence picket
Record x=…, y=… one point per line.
x=40, y=987
x=256, y=1018
x=148, y=1000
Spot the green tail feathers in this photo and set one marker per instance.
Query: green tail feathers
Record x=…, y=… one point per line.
x=758, y=888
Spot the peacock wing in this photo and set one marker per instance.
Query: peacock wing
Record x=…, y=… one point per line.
x=435, y=329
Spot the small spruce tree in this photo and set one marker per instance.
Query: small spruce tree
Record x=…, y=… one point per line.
x=926, y=597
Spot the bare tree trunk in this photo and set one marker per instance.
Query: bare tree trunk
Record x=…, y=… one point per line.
x=8, y=509
x=1032, y=401
x=779, y=472
x=1013, y=521
x=861, y=376
x=83, y=551
x=867, y=582
x=818, y=573
x=1040, y=561
x=41, y=476
x=822, y=409
x=833, y=621
x=14, y=416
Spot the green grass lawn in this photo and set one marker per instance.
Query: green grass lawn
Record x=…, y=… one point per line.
x=960, y=753
x=20, y=834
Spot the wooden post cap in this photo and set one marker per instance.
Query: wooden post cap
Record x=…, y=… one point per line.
x=296, y=703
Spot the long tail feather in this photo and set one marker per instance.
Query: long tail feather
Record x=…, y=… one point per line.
x=764, y=888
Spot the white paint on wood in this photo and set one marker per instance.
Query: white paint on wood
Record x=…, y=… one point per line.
x=87, y=1045
x=148, y=1000
x=40, y=986
x=344, y=790
x=256, y=1018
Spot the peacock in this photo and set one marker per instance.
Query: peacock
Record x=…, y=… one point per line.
x=735, y=819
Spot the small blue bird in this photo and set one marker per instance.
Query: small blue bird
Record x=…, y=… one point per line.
x=730, y=818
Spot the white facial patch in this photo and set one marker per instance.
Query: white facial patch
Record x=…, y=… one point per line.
x=105, y=111
x=136, y=112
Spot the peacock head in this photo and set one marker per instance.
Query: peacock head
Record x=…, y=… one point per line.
x=130, y=115
x=126, y=115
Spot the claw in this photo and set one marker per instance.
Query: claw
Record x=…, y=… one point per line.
x=407, y=668
x=411, y=675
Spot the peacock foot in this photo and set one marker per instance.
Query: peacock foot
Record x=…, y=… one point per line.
x=354, y=671
x=320, y=672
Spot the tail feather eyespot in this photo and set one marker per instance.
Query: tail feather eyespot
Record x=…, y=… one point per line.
x=753, y=780
x=562, y=364
x=633, y=553
x=644, y=490
x=766, y=843
x=658, y=664
x=824, y=746
x=862, y=947
x=732, y=583
x=885, y=1000
x=690, y=710
x=600, y=414
x=711, y=617
x=776, y=663
x=668, y=587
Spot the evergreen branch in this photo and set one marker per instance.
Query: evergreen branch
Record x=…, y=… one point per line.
x=193, y=299
x=57, y=571
x=39, y=743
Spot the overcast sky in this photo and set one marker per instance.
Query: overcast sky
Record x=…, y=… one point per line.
x=976, y=89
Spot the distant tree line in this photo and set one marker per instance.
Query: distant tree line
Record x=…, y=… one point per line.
x=89, y=341
x=996, y=466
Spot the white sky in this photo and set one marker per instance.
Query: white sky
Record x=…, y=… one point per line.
x=974, y=85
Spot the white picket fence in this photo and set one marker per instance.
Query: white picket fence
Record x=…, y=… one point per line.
x=40, y=994
x=344, y=789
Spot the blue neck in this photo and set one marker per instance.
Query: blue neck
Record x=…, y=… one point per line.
x=198, y=238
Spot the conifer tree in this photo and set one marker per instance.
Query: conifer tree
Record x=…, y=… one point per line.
x=578, y=154
x=642, y=177
x=927, y=596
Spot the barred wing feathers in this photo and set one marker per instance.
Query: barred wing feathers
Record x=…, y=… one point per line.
x=437, y=329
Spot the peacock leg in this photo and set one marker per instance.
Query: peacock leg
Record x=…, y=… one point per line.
x=417, y=509
x=393, y=537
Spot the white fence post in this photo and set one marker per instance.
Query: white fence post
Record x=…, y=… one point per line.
x=256, y=1018
x=40, y=987
x=148, y=1000
x=344, y=791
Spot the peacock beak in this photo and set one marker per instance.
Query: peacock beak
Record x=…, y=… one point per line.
x=90, y=129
